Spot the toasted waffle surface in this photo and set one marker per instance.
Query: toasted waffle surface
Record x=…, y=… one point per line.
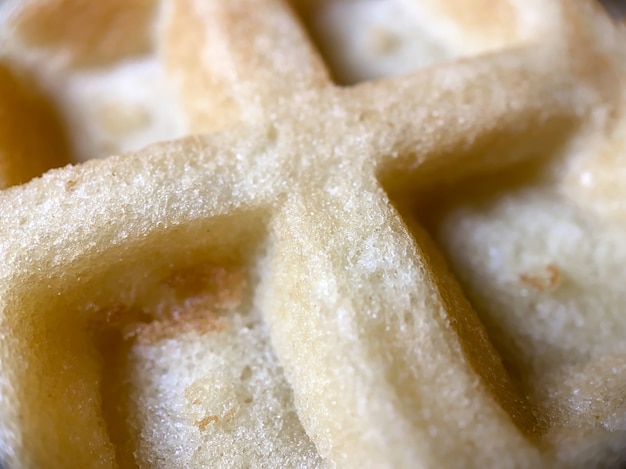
x=419, y=271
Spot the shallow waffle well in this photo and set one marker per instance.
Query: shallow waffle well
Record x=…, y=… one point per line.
x=423, y=270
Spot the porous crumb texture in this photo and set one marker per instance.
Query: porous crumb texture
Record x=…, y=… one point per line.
x=340, y=233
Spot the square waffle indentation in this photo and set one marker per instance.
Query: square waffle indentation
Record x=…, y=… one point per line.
x=101, y=345
x=362, y=40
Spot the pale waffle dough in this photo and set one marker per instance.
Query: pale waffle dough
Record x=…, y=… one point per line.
x=274, y=294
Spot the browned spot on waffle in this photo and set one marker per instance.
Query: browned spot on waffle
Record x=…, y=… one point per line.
x=470, y=17
x=548, y=280
x=532, y=281
x=221, y=288
x=201, y=321
x=203, y=423
x=183, y=32
x=94, y=33
x=186, y=300
x=32, y=139
x=70, y=184
x=116, y=318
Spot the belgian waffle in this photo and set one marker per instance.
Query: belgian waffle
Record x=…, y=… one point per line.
x=419, y=271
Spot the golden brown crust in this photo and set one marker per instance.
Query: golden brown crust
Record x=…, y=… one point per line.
x=93, y=33
x=185, y=26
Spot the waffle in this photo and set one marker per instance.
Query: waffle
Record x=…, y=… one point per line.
x=412, y=271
